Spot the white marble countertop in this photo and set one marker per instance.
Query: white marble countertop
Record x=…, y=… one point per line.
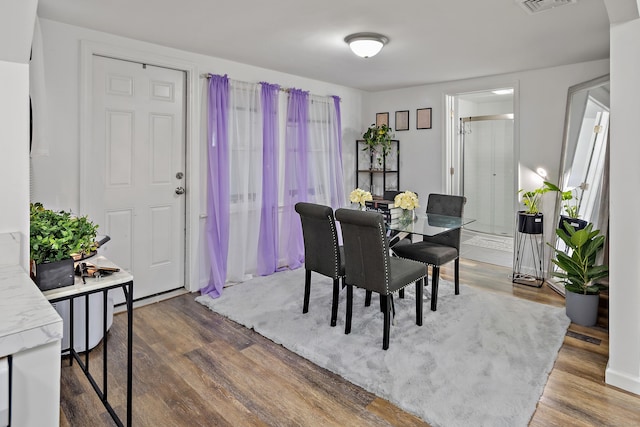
x=27, y=319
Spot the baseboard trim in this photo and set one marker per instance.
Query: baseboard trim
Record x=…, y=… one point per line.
x=622, y=380
x=121, y=308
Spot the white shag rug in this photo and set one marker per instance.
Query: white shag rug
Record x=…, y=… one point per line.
x=482, y=359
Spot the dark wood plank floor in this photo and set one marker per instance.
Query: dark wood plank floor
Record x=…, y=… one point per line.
x=195, y=368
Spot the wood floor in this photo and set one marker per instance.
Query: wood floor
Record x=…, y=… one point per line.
x=195, y=368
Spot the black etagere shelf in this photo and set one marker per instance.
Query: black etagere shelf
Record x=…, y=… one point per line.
x=376, y=175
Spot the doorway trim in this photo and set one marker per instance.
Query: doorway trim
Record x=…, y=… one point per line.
x=192, y=135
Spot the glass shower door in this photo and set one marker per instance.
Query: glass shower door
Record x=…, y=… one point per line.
x=488, y=173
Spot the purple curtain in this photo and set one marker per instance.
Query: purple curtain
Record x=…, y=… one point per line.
x=218, y=184
x=338, y=199
x=268, y=238
x=296, y=170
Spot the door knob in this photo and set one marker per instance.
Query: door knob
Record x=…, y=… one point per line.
x=180, y=190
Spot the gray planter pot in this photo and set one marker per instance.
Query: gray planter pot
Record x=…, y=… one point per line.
x=582, y=309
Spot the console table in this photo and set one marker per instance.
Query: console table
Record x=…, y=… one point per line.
x=122, y=280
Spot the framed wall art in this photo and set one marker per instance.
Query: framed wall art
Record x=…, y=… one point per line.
x=423, y=118
x=402, y=120
x=382, y=119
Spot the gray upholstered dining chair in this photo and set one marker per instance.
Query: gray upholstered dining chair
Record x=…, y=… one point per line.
x=369, y=266
x=322, y=252
x=390, y=194
x=440, y=249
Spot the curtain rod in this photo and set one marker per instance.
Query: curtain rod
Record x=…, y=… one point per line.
x=282, y=89
x=208, y=76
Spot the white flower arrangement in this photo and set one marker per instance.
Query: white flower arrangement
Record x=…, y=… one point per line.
x=407, y=200
x=360, y=196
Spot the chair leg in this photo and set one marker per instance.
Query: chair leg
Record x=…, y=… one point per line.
x=334, y=304
x=307, y=291
x=367, y=299
x=435, y=276
x=387, y=322
x=457, y=275
x=419, y=286
x=393, y=310
x=347, y=323
x=401, y=293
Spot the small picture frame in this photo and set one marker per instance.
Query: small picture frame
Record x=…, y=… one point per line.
x=382, y=119
x=423, y=118
x=402, y=120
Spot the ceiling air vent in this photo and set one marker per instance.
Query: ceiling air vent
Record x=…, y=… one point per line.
x=535, y=6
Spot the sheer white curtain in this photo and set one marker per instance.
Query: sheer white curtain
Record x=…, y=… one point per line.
x=325, y=167
x=245, y=141
x=245, y=134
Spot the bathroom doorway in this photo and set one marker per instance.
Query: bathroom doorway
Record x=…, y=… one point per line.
x=482, y=155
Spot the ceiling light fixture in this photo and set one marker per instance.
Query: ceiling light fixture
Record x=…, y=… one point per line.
x=366, y=45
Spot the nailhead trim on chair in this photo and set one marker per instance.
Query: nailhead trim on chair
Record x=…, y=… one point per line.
x=383, y=234
x=411, y=283
x=334, y=235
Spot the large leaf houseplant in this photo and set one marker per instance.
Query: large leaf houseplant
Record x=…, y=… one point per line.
x=580, y=271
x=56, y=237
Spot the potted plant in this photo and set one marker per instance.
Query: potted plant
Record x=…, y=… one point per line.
x=55, y=239
x=378, y=142
x=530, y=219
x=570, y=206
x=580, y=271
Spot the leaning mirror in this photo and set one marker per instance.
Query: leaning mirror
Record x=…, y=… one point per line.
x=584, y=164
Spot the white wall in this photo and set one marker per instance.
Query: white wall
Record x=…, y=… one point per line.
x=14, y=143
x=540, y=102
x=16, y=30
x=623, y=369
x=56, y=176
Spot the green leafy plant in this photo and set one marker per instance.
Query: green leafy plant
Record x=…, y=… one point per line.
x=531, y=199
x=378, y=140
x=55, y=236
x=579, y=269
x=569, y=202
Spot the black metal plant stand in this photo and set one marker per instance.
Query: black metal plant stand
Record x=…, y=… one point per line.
x=529, y=253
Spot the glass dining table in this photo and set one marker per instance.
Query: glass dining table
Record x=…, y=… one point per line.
x=425, y=224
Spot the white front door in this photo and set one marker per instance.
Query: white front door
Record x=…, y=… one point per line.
x=136, y=168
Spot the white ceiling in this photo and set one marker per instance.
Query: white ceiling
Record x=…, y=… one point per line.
x=430, y=41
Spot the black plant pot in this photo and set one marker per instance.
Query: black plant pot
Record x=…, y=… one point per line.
x=52, y=275
x=530, y=223
x=577, y=224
